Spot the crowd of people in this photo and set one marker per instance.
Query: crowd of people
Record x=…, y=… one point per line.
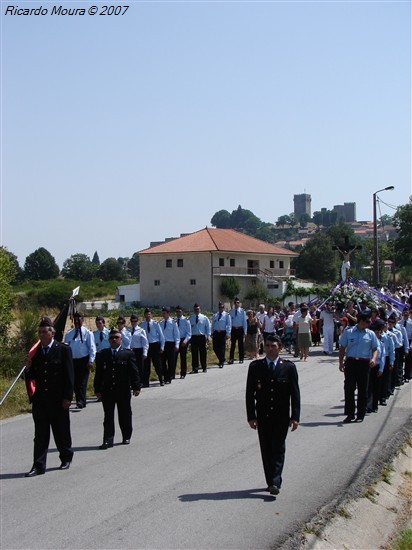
x=375, y=355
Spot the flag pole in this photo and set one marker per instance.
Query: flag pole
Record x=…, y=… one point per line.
x=12, y=386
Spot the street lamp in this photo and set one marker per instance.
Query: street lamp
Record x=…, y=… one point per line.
x=375, y=238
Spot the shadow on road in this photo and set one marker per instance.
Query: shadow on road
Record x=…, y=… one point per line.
x=229, y=495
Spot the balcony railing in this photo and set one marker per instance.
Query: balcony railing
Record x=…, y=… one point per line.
x=253, y=272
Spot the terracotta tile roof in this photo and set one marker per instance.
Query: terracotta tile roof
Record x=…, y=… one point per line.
x=227, y=240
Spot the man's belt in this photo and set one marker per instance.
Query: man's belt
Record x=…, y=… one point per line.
x=358, y=358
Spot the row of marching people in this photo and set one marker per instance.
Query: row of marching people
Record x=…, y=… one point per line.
x=376, y=358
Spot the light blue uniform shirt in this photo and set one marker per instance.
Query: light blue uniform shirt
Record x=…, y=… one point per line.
x=139, y=340
x=199, y=324
x=170, y=331
x=359, y=343
x=405, y=340
x=222, y=323
x=104, y=342
x=184, y=327
x=389, y=347
x=82, y=345
x=155, y=334
x=238, y=318
x=397, y=335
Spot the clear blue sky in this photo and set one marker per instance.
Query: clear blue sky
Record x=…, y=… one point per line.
x=117, y=131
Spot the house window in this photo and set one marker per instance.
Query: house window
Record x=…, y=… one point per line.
x=272, y=285
x=192, y=281
x=121, y=298
x=156, y=282
x=232, y=262
x=168, y=263
x=272, y=264
x=180, y=262
x=281, y=264
x=221, y=262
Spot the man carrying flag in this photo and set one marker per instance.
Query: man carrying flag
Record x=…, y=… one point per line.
x=50, y=376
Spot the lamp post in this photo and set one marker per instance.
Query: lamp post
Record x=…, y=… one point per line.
x=375, y=238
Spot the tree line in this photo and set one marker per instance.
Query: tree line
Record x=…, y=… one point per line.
x=41, y=265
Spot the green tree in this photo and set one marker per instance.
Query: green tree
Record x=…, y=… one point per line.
x=316, y=261
x=230, y=288
x=79, y=267
x=283, y=220
x=257, y=293
x=221, y=220
x=133, y=266
x=96, y=259
x=40, y=266
x=245, y=219
x=7, y=275
x=402, y=222
x=111, y=270
x=19, y=273
x=304, y=219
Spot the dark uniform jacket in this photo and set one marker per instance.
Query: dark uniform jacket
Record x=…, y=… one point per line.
x=114, y=374
x=53, y=373
x=272, y=395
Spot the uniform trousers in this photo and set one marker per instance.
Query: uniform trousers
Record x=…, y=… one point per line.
x=153, y=356
x=237, y=336
x=169, y=361
x=81, y=377
x=384, y=393
x=120, y=397
x=272, y=438
x=182, y=353
x=50, y=414
x=356, y=376
x=219, y=345
x=328, y=337
x=408, y=365
x=396, y=373
x=138, y=353
x=374, y=388
x=198, y=350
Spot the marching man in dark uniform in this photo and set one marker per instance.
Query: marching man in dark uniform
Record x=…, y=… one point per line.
x=51, y=373
x=272, y=405
x=116, y=376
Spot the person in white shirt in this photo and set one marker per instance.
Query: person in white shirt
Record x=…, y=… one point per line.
x=81, y=342
x=101, y=335
x=328, y=324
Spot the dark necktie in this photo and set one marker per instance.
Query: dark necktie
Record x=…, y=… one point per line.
x=148, y=327
x=404, y=323
x=272, y=366
x=164, y=326
x=197, y=319
x=178, y=322
x=101, y=336
x=114, y=353
x=76, y=334
x=133, y=329
x=235, y=312
x=45, y=350
x=220, y=316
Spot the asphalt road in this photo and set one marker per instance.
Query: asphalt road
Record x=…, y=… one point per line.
x=192, y=476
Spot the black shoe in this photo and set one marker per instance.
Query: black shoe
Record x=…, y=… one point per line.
x=375, y=410
x=35, y=472
x=204, y=370
x=230, y=362
x=273, y=490
x=368, y=411
x=126, y=442
x=79, y=406
x=182, y=378
x=240, y=362
x=221, y=366
x=348, y=420
x=383, y=402
x=358, y=420
x=106, y=445
x=146, y=385
x=64, y=466
x=194, y=371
